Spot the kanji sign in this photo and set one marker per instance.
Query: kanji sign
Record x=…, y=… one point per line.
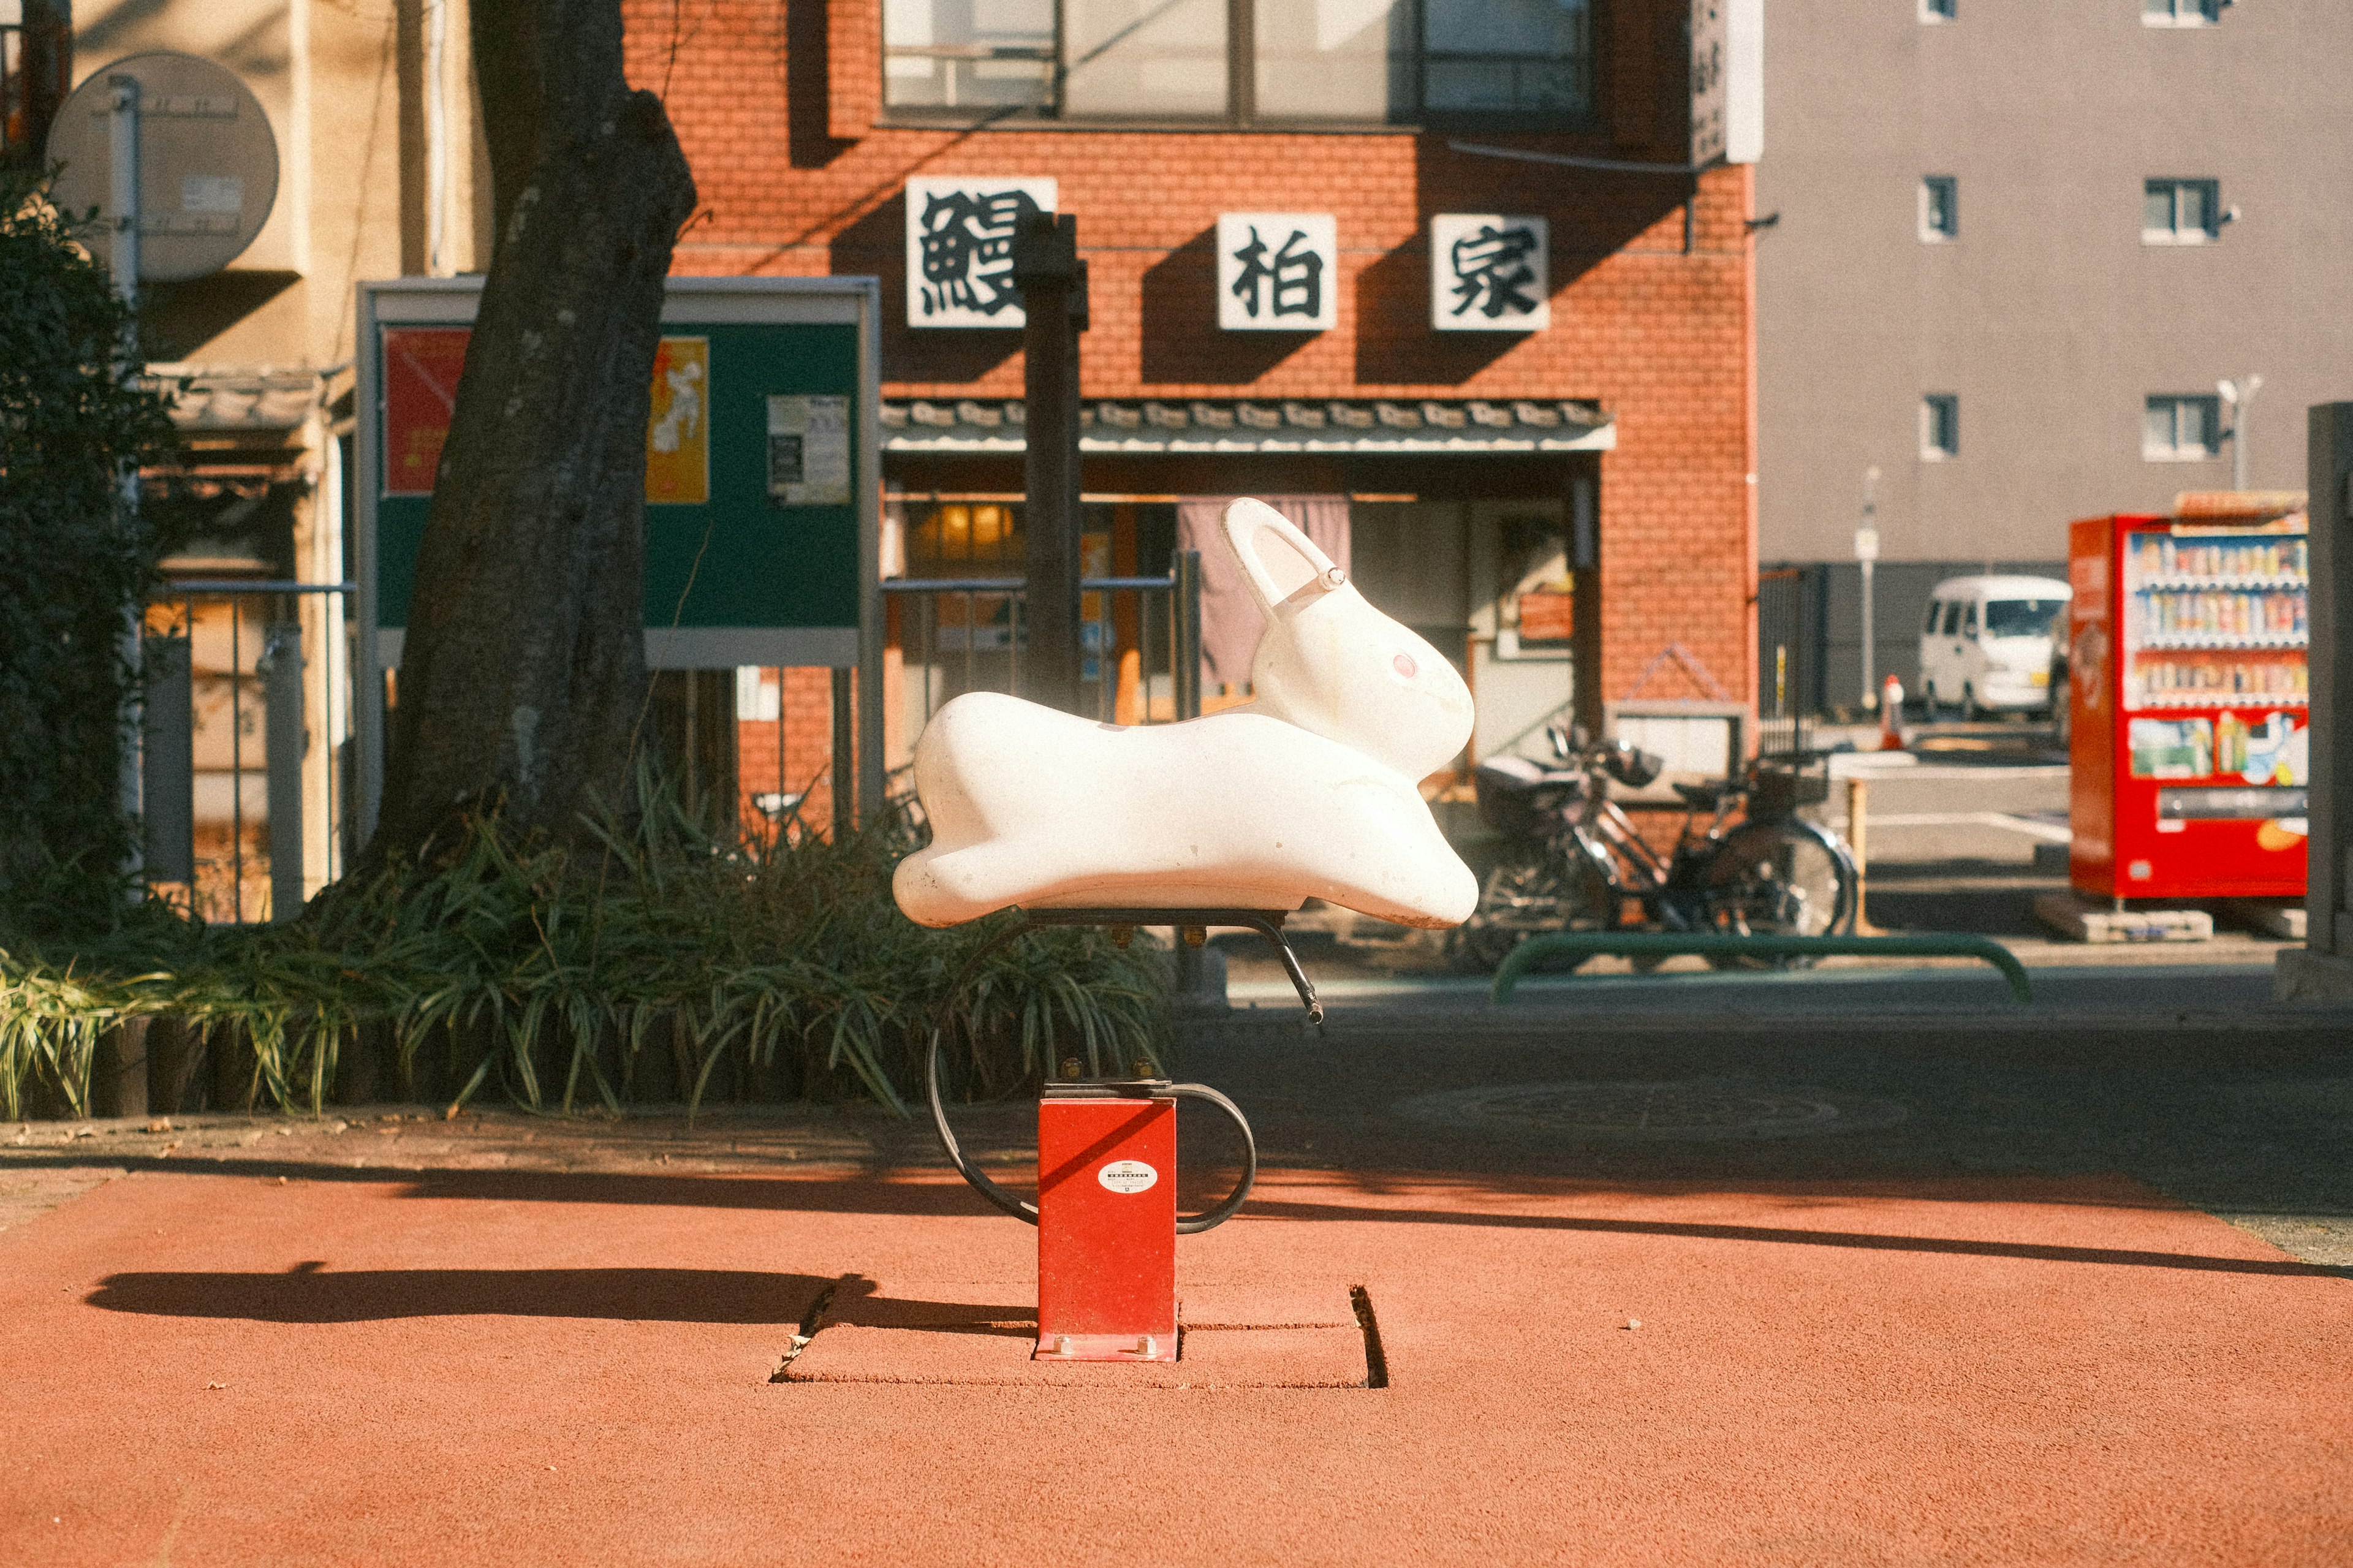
x=1278, y=272
x=960, y=248
x=1490, y=272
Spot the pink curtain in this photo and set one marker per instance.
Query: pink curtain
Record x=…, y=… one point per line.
x=1231, y=623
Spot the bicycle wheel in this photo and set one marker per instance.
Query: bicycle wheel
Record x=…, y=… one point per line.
x=1526, y=897
x=1780, y=877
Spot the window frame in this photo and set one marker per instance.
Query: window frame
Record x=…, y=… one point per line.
x=2209, y=233
x=1241, y=113
x=1940, y=427
x=2209, y=405
x=1930, y=184
x=2184, y=13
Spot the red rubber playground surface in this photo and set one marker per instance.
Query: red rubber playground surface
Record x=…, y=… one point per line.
x=509, y=1368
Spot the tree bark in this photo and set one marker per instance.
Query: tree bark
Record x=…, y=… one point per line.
x=522, y=675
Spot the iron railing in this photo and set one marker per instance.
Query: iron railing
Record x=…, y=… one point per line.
x=238, y=672
x=1140, y=642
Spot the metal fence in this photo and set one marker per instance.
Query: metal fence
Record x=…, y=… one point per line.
x=1140, y=642
x=245, y=722
x=1789, y=675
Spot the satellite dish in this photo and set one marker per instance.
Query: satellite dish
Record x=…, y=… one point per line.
x=207, y=161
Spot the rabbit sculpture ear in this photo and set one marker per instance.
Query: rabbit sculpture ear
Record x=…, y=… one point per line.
x=1334, y=665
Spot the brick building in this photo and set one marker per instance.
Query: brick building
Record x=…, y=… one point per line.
x=1567, y=507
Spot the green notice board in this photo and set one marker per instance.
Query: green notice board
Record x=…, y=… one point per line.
x=761, y=515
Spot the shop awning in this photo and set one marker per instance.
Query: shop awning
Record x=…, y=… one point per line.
x=1465, y=427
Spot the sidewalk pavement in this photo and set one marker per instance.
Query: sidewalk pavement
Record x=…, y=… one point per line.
x=1730, y=1296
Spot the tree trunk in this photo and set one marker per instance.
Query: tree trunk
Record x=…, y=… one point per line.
x=523, y=676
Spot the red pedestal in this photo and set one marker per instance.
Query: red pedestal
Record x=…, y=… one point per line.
x=1107, y=1229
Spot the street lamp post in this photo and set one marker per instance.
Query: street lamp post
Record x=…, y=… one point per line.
x=2237, y=396
x=1866, y=556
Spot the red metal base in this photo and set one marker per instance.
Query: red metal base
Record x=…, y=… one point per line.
x=1107, y=1229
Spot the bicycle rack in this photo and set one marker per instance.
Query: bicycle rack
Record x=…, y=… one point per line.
x=1718, y=944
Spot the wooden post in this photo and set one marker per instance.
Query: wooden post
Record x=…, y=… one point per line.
x=1054, y=297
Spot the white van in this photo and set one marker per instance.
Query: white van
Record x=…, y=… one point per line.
x=1985, y=646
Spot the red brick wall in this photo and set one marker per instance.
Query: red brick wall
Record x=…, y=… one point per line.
x=806, y=709
x=795, y=178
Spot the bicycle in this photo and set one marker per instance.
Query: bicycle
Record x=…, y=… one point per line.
x=1573, y=860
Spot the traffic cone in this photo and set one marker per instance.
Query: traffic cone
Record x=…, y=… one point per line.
x=1891, y=714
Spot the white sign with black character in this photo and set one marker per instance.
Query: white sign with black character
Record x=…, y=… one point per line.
x=1490, y=272
x=809, y=451
x=1278, y=272
x=960, y=248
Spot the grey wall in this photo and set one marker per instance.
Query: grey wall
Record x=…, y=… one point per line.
x=2048, y=317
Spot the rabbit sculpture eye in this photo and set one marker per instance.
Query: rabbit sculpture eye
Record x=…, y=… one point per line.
x=1308, y=791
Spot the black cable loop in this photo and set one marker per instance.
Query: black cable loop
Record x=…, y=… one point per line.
x=1209, y=1218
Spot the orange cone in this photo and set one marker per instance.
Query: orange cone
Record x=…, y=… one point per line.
x=1891, y=714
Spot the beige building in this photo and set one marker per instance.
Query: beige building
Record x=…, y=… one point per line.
x=381, y=173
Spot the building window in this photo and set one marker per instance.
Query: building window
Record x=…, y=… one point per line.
x=2181, y=13
x=1940, y=427
x=2180, y=212
x=1499, y=63
x=1938, y=10
x=2179, y=429
x=1940, y=208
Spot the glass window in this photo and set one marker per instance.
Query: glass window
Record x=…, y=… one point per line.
x=1953, y=619
x=2181, y=13
x=2176, y=428
x=1507, y=57
x=1940, y=426
x=1969, y=621
x=2179, y=212
x=967, y=53
x=2020, y=617
x=1935, y=610
x=1940, y=208
x=1335, y=59
x=1144, y=58
x=1521, y=63
x=1938, y=10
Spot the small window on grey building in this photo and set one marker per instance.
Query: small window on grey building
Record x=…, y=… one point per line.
x=1940, y=427
x=1938, y=10
x=2180, y=430
x=1940, y=208
x=2179, y=212
x=2181, y=13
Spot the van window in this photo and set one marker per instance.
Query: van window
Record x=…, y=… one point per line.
x=2020, y=617
x=1953, y=619
x=1969, y=624
x=1934, y=609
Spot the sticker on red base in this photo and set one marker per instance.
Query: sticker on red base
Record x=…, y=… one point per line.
x=1127, y=1176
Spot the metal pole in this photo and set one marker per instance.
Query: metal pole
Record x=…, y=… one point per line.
x=843, y=767
x=1858, y=838
x=1186, y=653
x=123, y=259
x=1866, y=556
x=1054, y=295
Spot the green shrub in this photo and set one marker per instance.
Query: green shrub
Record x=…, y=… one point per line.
x=784, y=965
x=75, y=562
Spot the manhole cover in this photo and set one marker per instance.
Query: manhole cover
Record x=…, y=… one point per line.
x=1687, y=1109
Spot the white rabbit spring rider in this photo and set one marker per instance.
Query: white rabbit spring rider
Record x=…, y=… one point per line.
x=1310, y=790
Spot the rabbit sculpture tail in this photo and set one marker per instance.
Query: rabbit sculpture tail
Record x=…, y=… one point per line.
x=1308, y=791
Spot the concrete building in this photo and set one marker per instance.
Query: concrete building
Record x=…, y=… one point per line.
x=2013, y=247
x=380, y=173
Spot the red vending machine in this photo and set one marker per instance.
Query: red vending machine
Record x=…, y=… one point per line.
x=2186, y=647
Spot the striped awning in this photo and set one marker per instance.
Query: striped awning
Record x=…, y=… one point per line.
x=1122, y=426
